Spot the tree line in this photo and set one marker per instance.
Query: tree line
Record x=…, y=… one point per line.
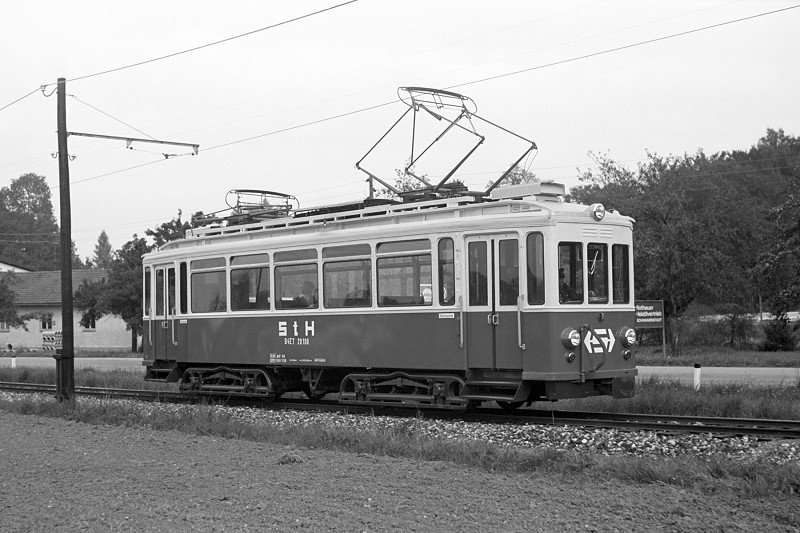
x=722, y=230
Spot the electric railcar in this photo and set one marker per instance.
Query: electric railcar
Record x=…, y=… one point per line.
x=443, y=300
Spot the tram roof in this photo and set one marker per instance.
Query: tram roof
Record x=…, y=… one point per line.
x=509, y=201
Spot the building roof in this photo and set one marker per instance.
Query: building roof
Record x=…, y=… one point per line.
x=44, y=288
x=5, y=265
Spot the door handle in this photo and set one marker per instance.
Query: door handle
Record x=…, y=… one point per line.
x=520, y=303
x=496, y=319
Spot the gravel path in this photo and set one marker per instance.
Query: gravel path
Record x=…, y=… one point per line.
x=59, y=475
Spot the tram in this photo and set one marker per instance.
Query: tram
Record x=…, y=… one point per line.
x=443, y=297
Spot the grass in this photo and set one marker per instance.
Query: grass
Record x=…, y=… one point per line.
x=656, y=396
x=716, y=356
x=78, y=353
x=756, y=479
x=653, y=395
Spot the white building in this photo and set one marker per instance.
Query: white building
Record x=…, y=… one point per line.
x=39, y=294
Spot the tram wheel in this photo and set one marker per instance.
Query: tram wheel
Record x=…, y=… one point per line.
x=510, y=407
x=309, y=394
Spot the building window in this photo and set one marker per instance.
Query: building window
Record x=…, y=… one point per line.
x=91, y=324
x=4, y=326
x=46, y=322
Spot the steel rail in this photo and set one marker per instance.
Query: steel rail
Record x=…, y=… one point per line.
x=671, y=424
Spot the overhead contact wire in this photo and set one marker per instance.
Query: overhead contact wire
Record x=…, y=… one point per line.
x=194, y=49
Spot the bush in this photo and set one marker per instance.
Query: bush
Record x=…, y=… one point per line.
x=778, y=334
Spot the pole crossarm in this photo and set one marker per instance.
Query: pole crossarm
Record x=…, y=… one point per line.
x=130, y=140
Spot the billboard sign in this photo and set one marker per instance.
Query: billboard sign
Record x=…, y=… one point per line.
x=649, y=314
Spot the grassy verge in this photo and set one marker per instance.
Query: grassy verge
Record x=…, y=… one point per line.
x=757, y=479
x=86, y=377
x=716, y=356
x=78, y=353
x=653, y=396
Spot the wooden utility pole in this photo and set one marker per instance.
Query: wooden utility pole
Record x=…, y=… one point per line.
x=65, y=358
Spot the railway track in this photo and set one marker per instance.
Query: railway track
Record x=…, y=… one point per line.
x=671, y=424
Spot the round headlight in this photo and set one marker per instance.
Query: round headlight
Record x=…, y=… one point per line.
x=570, y=338
x=598, y=212
x=628, y=336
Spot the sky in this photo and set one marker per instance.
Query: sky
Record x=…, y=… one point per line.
x=294, y=106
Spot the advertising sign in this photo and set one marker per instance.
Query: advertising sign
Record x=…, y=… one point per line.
x=649, y=314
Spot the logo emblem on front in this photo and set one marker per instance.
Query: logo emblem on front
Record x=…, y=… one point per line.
x=599, y=341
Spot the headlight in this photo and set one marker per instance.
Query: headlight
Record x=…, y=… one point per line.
x=570, y=338
x=628, y=336
x=598, y=212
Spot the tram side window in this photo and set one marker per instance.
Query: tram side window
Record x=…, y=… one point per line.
x=405, y=280
x=620, y=274
x=296, y=286
x=570, y=272
x=184, y=288
x=597, y=261
x=447, y=272
x=147, y=291
x=209, y=293
x=249, y=288
x=160, y=292
x=535, y=268
x=478, y=274
x=347, y=283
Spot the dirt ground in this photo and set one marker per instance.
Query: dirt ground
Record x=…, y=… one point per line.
x=57, y=475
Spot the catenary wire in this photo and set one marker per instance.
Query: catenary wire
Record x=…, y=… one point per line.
x=21, y=98
x=624, y=47
x=384, y=104
x=227, y=39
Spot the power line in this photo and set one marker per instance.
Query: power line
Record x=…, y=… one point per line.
x=369, y=108
x=624, y=47
x=21, y=98
x=111, y=116
x=194, y=49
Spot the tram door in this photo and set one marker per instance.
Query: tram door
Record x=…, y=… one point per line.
x=164, y=339
x=492, y=302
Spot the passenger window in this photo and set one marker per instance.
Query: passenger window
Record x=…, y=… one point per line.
x=184, y=287
x=447, y=273
x=209, y=293
x=570, y=273
x=147, y=289
x=249, y=288
x=296, y=286
x=160, y=291
x=478, y=279
x=508, y=250
x=347, y=283
x=535, y=252
x=405, y=279
x=597, y=269
x=620, y=274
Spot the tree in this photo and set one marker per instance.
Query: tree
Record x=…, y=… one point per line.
x=8, y=308
x=169, y=231
x=517, y=176
x=30, y=233
x=120, y=293
x=699, y=226
x=102, y=251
